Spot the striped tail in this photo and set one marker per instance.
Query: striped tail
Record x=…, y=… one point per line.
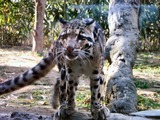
x=32, y=75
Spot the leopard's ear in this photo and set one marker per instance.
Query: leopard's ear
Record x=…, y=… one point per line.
x=63, y=22
x=90, y=23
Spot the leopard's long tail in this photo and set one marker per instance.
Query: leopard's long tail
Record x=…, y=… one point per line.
x=32, y=75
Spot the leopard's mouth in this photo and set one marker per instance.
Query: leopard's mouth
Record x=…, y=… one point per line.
x=72, y=56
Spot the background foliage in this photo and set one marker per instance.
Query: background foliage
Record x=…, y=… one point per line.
x=17, y=18
x=16, y=21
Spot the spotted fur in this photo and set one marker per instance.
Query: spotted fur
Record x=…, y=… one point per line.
x=78, y=51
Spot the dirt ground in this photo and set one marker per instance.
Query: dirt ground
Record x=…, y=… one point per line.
x=15, y=61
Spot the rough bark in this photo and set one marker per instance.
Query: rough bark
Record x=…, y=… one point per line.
x=37, y=45
x=121, y=50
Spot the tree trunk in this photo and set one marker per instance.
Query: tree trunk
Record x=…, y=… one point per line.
x=37, y=45
x=121, y=51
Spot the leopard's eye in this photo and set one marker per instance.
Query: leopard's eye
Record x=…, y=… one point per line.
x=82, y=38
x=64, y=36
x=87, y=46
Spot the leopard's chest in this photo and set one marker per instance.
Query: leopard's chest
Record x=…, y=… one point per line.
x=80, y=67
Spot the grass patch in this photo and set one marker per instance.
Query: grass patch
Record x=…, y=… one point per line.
x=148, y=63
x=141, y=83
x=42, y=96
x=83, y=99
x=37, y=94
x=145, y=103
x=148, y=68
x=22, y=96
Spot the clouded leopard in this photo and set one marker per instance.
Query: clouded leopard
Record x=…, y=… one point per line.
x=78, y=50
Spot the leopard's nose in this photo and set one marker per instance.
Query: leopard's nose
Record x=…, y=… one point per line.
x=70, y=49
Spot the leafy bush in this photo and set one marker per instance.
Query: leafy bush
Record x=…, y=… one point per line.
x=17, y=18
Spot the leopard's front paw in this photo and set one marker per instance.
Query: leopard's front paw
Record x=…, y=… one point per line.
x=63, y=112
x=100, y=112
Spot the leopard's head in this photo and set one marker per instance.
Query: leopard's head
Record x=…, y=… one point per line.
x=77, y=39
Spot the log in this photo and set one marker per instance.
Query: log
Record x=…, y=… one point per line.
x=121, y=52
x=143, y=115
